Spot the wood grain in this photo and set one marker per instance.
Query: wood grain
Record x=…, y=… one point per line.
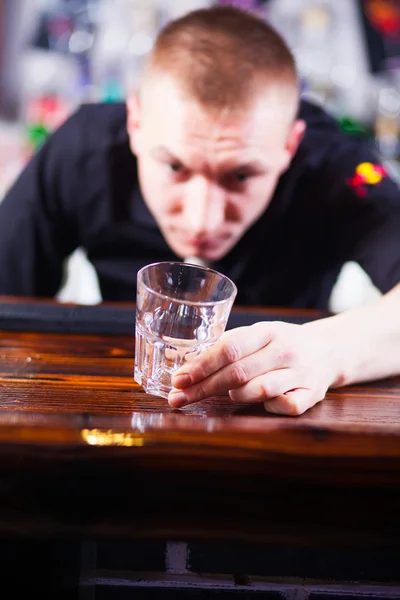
x=84, y=451
x=94, y=374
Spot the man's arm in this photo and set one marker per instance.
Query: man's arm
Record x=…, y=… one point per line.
x=291, y=367
x=367, y=340
x=38, y=227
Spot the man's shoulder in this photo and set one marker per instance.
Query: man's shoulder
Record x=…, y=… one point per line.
x=322, y=130
x=104, y=115
x=316, y=117
x=97, y=124
x=324, y=139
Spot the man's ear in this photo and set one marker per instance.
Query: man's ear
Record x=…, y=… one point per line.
x=133, y=119
x=295, y=136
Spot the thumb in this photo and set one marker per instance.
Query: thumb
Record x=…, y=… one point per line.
x=294, y=402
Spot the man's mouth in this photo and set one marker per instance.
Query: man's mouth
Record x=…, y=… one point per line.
x=202, y=242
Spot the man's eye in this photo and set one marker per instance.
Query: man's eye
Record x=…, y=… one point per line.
x=241, y=177
x=175, y=167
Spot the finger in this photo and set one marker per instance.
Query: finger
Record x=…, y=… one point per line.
x=292, y=403
x=237, y=375
x=232, y=346
x=266, y=386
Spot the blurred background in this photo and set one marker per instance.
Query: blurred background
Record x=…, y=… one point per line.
x=57, y=54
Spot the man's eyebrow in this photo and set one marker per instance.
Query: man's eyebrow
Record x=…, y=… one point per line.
x=251, y=165
x=162, y=153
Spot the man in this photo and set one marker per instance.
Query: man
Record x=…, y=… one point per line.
x=234, y=173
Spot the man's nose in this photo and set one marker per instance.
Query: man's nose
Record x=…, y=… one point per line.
x=204, y=206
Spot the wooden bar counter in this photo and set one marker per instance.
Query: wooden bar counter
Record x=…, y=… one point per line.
x=87, y=457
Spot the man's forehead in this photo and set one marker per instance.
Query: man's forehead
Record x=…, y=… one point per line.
x=165, y=100
x=200, y=150
x=228, y=131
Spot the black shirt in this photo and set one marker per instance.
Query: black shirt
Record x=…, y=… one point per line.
x=81, y=190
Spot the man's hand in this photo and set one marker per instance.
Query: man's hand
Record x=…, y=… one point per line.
x=288, y=367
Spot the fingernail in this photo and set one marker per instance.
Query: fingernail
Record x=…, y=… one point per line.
x=182, y=380
x=177, y=399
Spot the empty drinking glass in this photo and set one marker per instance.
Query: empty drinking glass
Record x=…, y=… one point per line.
x=181, y=309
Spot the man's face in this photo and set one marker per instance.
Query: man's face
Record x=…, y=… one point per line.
x=207, y=177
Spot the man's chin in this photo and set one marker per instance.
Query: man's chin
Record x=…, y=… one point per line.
x=213, y=255
x=204, y=254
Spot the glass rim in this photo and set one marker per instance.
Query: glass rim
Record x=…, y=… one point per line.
x=231, y=298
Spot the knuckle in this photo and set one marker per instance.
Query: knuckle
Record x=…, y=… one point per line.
x=201, y=371
x=238, y=374
x=285, y=356
x=285, y=406
x=231, y=351
x=292, y=408
x=200, y=393
x=266, y=390
x=266, y=328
